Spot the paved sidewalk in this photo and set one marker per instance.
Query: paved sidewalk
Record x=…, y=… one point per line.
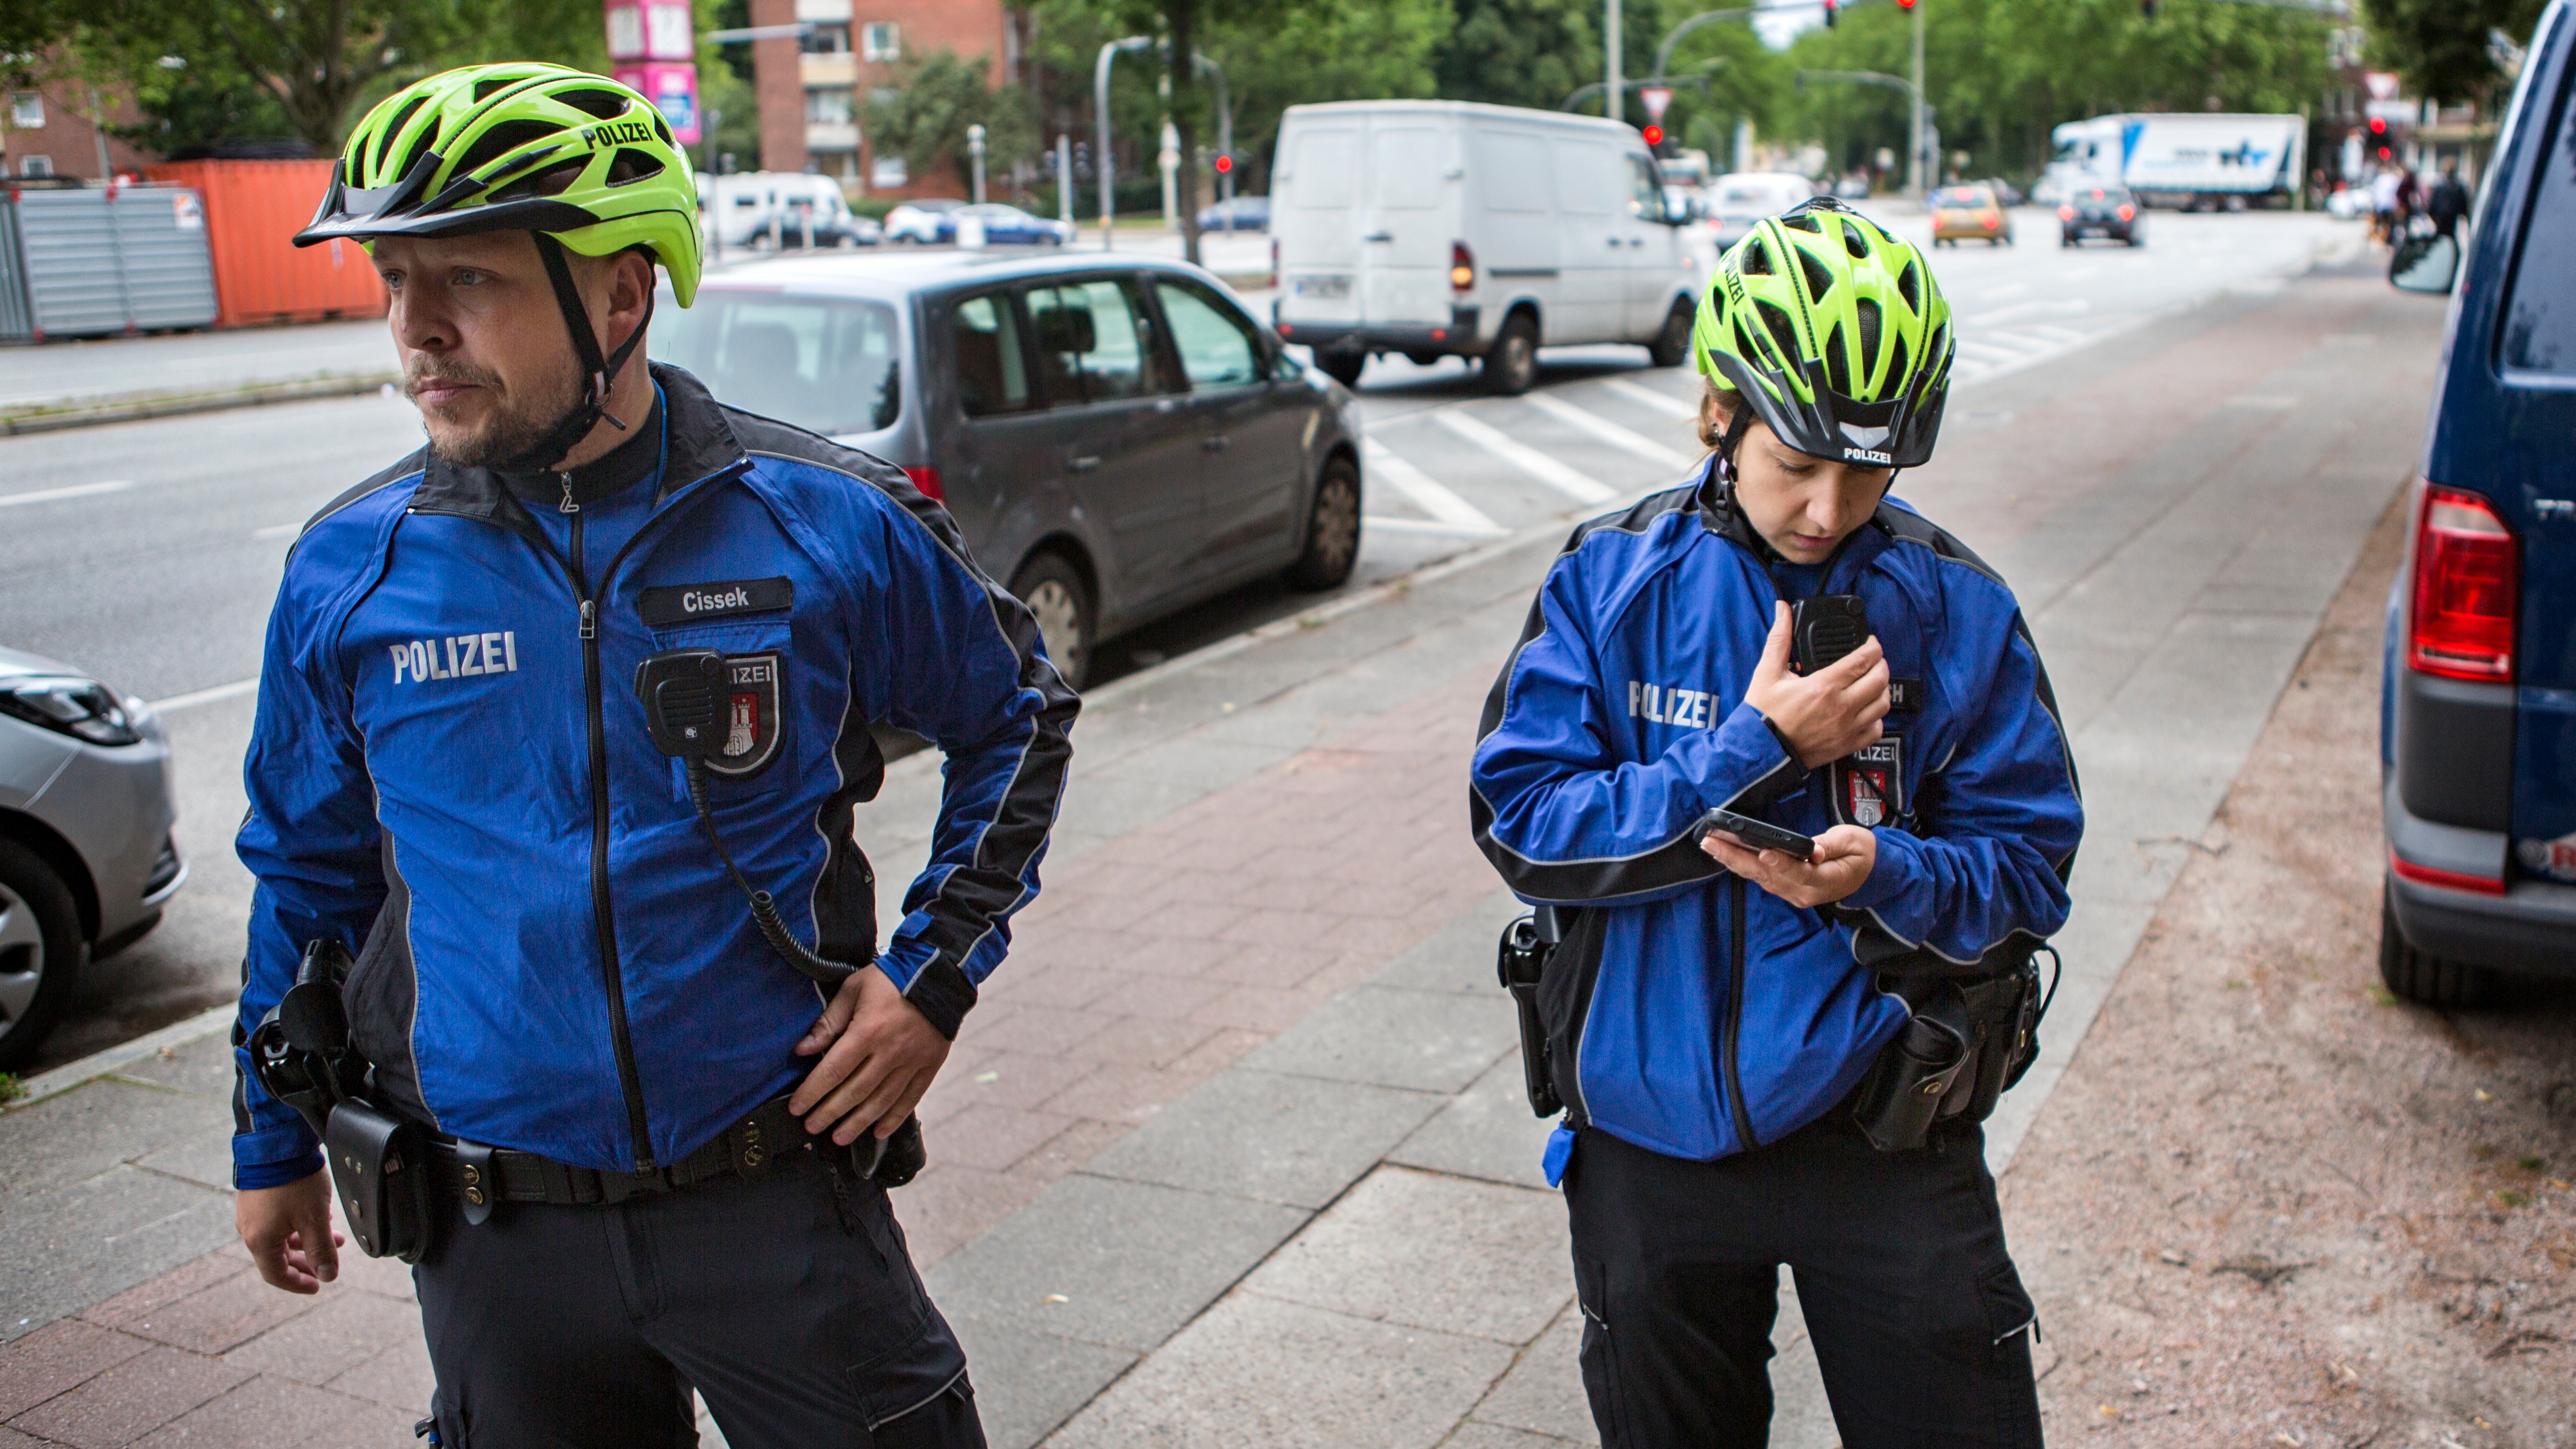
x=1233, y=1152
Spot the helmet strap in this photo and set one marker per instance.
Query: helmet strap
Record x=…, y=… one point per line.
x=599, y=374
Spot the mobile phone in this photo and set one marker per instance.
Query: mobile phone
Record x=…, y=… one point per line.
x=1760, y=834
x=1824, y=628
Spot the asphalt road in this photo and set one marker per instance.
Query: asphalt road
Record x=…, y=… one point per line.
x=148, y=553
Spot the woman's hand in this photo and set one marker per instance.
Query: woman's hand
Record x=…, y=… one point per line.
x=1825, y=715
x=1844, y=858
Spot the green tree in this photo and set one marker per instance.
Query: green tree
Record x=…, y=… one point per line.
x=1521, y=52
x=922, y=117
x=2442, y=47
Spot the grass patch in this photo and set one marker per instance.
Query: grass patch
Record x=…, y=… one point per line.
x=11, y=1089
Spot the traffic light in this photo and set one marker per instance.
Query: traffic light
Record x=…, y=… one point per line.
x=1224, y=163
x=2147, y=8
x=1905, y=4
x=1654, y=135
x=1829, y=14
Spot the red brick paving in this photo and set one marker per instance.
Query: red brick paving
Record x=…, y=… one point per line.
x=1146, y=967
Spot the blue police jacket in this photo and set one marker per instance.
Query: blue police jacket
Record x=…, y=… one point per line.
x=450, y=774
x=1689, y=1013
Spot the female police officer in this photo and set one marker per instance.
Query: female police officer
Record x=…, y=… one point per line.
x=1709, y=1009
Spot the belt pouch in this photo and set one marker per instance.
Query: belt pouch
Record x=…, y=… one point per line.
x=1895, y=1103
x=1997, y=1043
x=1520, y=960
x=380, y=1164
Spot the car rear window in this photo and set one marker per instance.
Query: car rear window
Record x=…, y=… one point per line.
x=827, y=364
x=992, y=369
x=1963, y=196
x=2540, y=321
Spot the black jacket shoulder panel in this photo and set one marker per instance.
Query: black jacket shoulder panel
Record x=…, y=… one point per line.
x=407, y=468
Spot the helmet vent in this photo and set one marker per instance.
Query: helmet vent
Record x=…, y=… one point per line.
x=1783, y=331
x=1909, y=285
x=504, y=138
x=630, y=164
x=1837, y=366
x=1757, y=259
x=1820, y=279
x=553, y=181
x=1856, y=242
x=1744, y=343
x=393, y=128
x=1867, y=330
x=606, y=105
x=1802, y=221
x=662, y=128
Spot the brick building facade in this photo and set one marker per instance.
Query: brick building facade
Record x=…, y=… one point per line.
x=811, y=91
x=45, y=130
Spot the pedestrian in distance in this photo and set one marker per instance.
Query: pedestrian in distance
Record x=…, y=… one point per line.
x=2383, y=205
x=2447, y=202
x=1767, y=1056
x=563, y=723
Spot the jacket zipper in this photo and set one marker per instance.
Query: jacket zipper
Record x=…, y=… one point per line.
x=1734, y=1024
x=602, y=909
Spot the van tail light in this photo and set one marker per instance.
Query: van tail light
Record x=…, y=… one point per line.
x=2066, y=213
x=2466, y=589
x=2127, y=212
x=2407, y=870
x=927, y=480
x=1462, y=268
x=1274, y=264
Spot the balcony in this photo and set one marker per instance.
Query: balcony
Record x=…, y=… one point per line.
x=820, y=136
x=828, y=70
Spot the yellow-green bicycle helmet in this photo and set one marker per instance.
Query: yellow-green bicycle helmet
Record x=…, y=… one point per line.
x=1834, y=330
x=576, y=159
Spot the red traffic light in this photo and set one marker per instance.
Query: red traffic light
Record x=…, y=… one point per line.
x=2378, y=126
x=1904, y=4
x=1224, y=164
x=1829, y=14
x=1654, y=135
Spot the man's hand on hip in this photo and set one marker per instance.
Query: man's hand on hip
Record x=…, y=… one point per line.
x=1825, y=715
x=1844, y=858
x=288, y=1232
x=879, y=1055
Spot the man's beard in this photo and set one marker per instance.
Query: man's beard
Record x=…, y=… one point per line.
x=509, y=434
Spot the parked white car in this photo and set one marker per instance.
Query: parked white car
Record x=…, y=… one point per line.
x=1440, y=228
x=918, y=221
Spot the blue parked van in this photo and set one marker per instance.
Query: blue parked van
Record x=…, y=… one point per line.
x=2478, y=716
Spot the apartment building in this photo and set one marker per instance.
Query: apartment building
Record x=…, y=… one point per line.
x=812, y=90
x=46, y=131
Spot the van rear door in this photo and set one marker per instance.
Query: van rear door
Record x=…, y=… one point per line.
x=1317, y=222
x=1514, y=231
x=1410, y=222
x=1592, y=240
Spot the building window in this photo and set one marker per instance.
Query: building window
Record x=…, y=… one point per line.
x=828, y=39
x=36, y=166
x=27, y=108
x=827, y=106
x=880, y=40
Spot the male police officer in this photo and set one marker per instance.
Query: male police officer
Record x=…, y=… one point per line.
x=1708, y=1010
x=453, y=774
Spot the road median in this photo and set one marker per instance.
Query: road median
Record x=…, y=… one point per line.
x=138, y=407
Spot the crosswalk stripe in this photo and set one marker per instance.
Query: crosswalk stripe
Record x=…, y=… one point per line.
x=1522, y=456
x=1647, y=396
x=77, y=490
x=1606, y=430
x=1455, y=514
x=1389, y=523
x=1988, y=349
x=2056, y=334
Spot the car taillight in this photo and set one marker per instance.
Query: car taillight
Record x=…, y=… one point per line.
x=2066, y=213
x=2127, y=211
x=1462, y=268
x=2467, y=583
x=927, y=480
x=1992, y=221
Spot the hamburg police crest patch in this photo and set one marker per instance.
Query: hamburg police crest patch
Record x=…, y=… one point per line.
x=752, y=716
x=1869, y=784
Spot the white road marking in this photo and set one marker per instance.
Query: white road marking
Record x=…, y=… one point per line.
x=1606, y=430
x=1989, y=349
x=1524, y=457
x=1455, y=514
x=1389, y=523
x=216, y=695
x=1647, y=396
x=77, y=490
x=2063, y=307
x=2055, y=334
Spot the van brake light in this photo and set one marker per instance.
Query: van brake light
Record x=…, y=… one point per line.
x=1462, y=268
x=2467, y=587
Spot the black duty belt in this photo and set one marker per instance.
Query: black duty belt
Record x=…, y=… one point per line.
x=481, y=1176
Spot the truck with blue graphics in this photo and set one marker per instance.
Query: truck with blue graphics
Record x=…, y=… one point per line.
x=2190, y=162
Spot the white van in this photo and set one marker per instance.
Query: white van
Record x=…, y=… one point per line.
x=1431, y=228
x=740, y=207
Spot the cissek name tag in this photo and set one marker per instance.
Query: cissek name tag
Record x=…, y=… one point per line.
x=690, y=603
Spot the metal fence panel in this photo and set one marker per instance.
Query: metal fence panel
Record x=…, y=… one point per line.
x=169, y=273
x=16, y=325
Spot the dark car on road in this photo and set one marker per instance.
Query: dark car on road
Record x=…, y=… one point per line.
x=1117, y=437
x=2104, y=211
x=2478, y=714
x=1243, y=213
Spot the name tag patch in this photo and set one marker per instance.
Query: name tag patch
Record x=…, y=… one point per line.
x=690, y=603
x=1904, y=696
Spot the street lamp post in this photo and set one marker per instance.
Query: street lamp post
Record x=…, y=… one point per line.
x=975, y=151
x=1613, y=98
x=1914, y=168
x=1100, y=109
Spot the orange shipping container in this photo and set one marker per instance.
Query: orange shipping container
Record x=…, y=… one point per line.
x=253, y=211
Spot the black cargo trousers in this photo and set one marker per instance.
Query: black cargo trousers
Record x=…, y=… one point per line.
x=788, y=1300
x=1918, y=1318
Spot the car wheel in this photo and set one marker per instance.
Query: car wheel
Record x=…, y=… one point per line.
x=1511, y=364
x=2429, y=980
x=1332, y=530
x=1671, y=347
x=1055, y=593
x=2133, y=239
x=40, y=951
x=1343, y=367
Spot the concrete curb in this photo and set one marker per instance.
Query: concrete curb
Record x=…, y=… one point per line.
x=171, y=405
x=124, y=1054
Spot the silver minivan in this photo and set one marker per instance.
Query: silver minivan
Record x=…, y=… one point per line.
x=1117, y=436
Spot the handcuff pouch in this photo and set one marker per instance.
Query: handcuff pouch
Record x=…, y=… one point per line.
x=380, y=1165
